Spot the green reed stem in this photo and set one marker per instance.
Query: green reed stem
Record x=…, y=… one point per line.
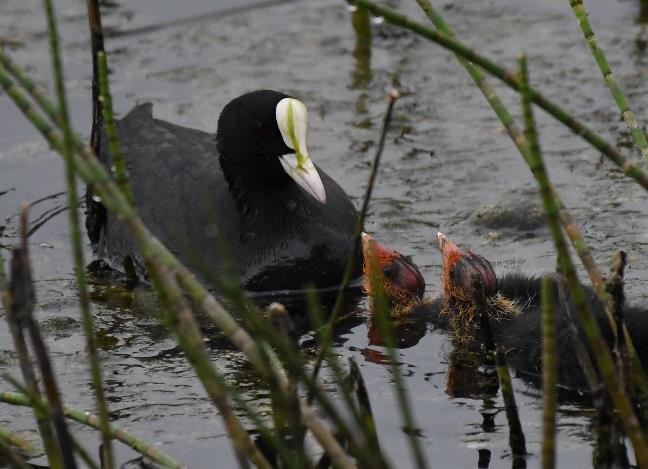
x=357, y=235
x=549, y=374
x=478, y=77
x=516, y=435
x=63, y=119
x=9, y=455
x=630, y=168
x=16, y=440
x=637, y=132
x=114, y=146
x=180, y=319
x=382, y=315
x=12, y=308
x=570, y=227
x=140, y=445
x=346, y=390
x=93, y=173
x=598, y=346
x=96, y=46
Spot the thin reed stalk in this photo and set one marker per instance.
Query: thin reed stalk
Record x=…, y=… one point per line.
x=391, y=15
x=570, y=227
x=24, y=295
x=637, y=132
x=364, y=405
x=359, y=413
x=357, y=235
x=584, y=359
x=614, y=286
x=478, y=77
x=592, y=331
x=549, y=374
x=140, y=445
x=16, y=441
x=180, y=319
x=517, y=440
x=114, y=146
x=8, y=454
x=15, y=306
x=382, y=315
x=90, y=169
x=77, y=250
x=96, y=46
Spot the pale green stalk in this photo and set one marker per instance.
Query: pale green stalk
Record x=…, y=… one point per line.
x=598, y=346
x=637, y=132
x=549, y=374
x=63, y=119
x=391, y=15
x=141, y=446
x=114, y=146
x=90, y=169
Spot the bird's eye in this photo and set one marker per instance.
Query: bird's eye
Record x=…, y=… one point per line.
x=389, y=271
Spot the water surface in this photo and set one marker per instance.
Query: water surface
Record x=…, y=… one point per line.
x=446, y=158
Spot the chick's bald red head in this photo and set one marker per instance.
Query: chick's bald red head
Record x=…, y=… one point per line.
x=400, y=277
x=403, y=282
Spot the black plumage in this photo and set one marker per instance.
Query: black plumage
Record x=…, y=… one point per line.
x=192, y=187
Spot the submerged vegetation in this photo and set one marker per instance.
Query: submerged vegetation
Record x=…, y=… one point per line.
x=302, y=408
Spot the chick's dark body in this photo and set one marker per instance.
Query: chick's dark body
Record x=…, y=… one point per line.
x=521, y=335
x=279, y=237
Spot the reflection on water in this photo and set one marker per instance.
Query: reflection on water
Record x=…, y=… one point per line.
x=361, y=21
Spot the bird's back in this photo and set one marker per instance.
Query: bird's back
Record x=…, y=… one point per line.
x=184, y=199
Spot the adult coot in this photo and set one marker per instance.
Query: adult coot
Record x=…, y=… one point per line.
x=513, y=303
x=285, y=222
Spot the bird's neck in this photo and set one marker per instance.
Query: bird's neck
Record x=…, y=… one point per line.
x=259, y=186
x=463, y=316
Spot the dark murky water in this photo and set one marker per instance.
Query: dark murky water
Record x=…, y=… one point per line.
x=446, y=158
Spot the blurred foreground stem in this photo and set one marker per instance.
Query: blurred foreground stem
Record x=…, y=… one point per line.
x=77, y=249
x=141, y=446
x=91, y=170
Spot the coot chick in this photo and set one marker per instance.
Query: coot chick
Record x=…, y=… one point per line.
x=285, y=222
x=514, y=309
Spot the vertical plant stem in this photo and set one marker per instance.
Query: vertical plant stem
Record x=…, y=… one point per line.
x=637, y=132
x=570, y=227
x=121, y=176
x=15, y=307
x=382, y=315
x=79, y=263
x=376, y=457
x=179, y=318
x=96, y=45
x=516, y=435
x=91, y=170
x=7, y=454
x=478, y=77
x=549, y=374
x=393, y=16
x=348, y=272
x=23, y=294
x=16, y=440
x=592, y=331
x=360, y=388
x=614, y=287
